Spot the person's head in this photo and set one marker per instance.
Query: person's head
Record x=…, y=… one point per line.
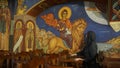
x=19, y=25
x=90, y=36
x=30, y=25
x=64, y=14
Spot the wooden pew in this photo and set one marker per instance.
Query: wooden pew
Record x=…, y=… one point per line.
x=111, y=62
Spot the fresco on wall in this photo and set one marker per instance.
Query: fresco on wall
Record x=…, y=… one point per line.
x=21, y=8
x=30, y=36
x=60, y=20
x=61, y=27
x=71, y=34
x=95, y=14
x=115, y=50
x=18, y=31
x=76, y=37
x=5, y=18
x=78, y=11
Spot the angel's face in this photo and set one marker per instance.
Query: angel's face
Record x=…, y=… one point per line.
x=64, y=14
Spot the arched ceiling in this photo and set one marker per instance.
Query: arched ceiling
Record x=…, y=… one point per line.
x=36, y=9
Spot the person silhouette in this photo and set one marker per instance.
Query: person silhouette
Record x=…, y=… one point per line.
x=89, y=51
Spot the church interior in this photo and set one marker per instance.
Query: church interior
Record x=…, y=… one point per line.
x=59, y=33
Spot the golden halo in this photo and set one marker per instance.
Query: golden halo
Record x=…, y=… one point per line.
x=19, y=24
x=67, y=9
x=30, y=25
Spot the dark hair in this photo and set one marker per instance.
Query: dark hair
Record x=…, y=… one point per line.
x=64, y=11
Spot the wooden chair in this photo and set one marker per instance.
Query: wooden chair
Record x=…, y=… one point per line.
x=54, y=60
x=63, y=56
x=53, y=66
x=110, y=62
x=113, y=64
x=4, y=58
x=37, y=52
x=40, y=52
x=66, y=59
x=1, y=61
x=20, y=59
x=36, y=62
x=46, y=61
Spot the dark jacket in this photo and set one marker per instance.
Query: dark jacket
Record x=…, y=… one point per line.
x=89, y=52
